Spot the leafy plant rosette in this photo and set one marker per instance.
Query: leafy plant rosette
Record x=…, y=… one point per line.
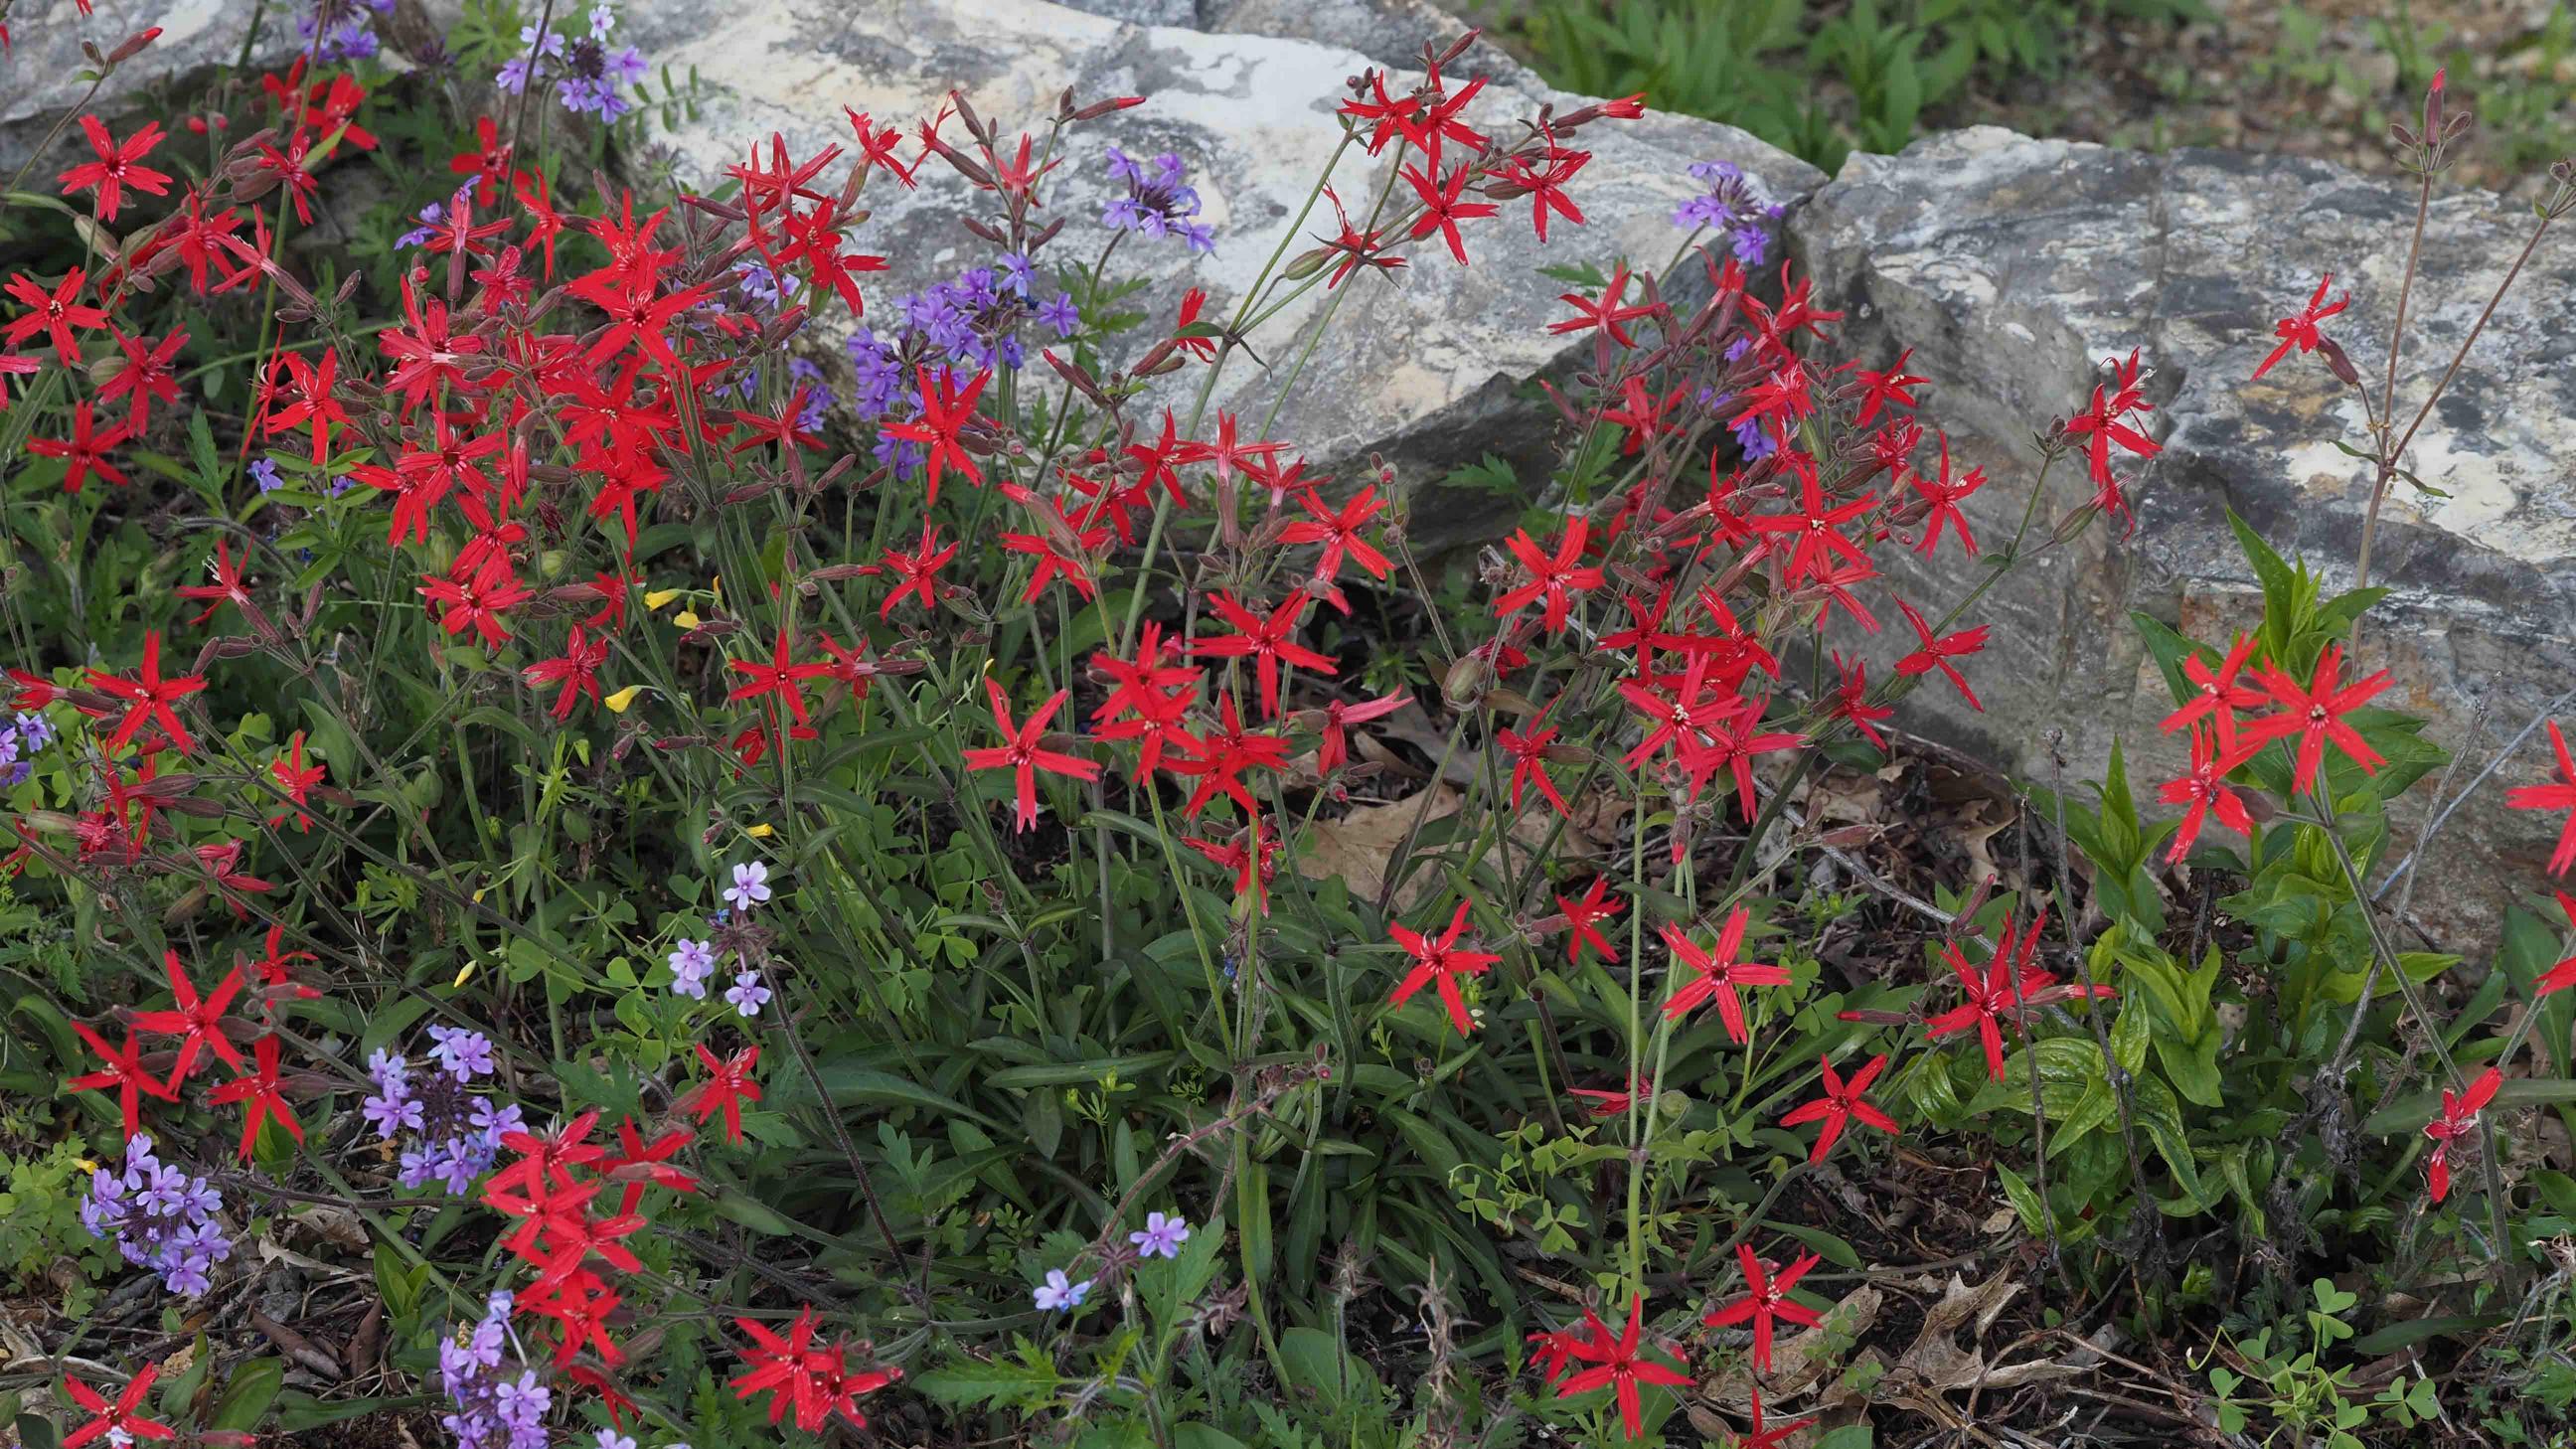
x=744, y=885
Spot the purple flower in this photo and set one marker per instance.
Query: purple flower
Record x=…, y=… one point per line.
x=490, y=1408
x=747, y=994
x=1733, y=204
x=692, y=962
x=264, y=472
x=1060, y=314
x=750, y=885
x=161, y=1218
x=1162, y=1237
x=465, y=1054
x=1158, y=202
x=1060, y=1293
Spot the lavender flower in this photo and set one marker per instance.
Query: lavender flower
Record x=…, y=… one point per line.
x=161, y=1217
x=1162, y=1237
x=1061, y=315
x=264, y=472
x=747, y=994
x=492, y=1407
x=1060, y=1293
x=455, y=1133
x=1158, y=202
x=750, y=885
x=430, y=217
x=1733, y=204
x=692, y=962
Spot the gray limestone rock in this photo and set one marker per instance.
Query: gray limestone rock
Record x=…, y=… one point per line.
x=2013, y=266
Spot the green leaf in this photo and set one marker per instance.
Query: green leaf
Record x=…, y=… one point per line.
x=248, y=1391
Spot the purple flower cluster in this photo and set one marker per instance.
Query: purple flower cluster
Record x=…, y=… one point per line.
x=968, y=325
x=161, y=1217
x=695, y=962
x=1733, y=204
x=585, y=73
x=1159, y=203
x=494, y=1407
x=22, y=736
x=346, y=27
x=455, y=1132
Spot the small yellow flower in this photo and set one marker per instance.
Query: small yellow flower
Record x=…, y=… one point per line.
x=661, y=598
x=618, y=702
x=467, y=973
x=686, y=619
x=760, y=832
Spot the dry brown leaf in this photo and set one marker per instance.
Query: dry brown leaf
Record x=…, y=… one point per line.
x=1358, y=847
x=1937, y=1364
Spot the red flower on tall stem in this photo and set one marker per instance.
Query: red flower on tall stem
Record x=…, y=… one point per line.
x=2314, y=713
x=1439, y=963
x=121, y=1418
x=1842, y=1103
x=116, y=165
x=149, y=697
x=259, y=1095
x=1615, y=1365
x=1765, y=1304
x=2558, y=794
x=1717, y=974
x=197, y=1021
x=2458, y=1120
x=1025, y=752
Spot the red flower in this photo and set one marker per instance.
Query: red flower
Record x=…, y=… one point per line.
x=2205, y=789
x=272, y=968
x=1851, y=701
x=815, y=1382
x=1758, y=1437
x=1355, y=247
x=11, y=366
x=575, y=672
x=1895, y=388
x=778, y=675
x=1937, y=653
x=1443, y=207
x=1719, y=974
x=1841, y=1103
x=639, y=1163
x=1555, y=578
x=124, y=1071
x=2103, y=424
x=1338, y=530
x=1943, y=496
x=2559, y=794
x=118, y=1418
x=728, y=1085
x=54, y=314
x=1606, y=1101
x=1528, y=752
x=1605, y=316
x=1730, y=744
x=1766, y=1302
x=1332, y=742
x=2008, y=982
x=1249, y=855
x=1815, y=530
x=2220, y=695
x=312, y=400
x=1220, y=759
x=917, y=572
x=226, y=589
x=260, y=1097
x=1266, y=641
x=2458, y=1120
x=145, y=375
x=85, y=451
x=1026, y=753
x=488, y=163
x=2299, y=329
x=197, y=1021
x=946, y=409
x=1581, y=916
x=2314, y=712
x=149, y=698
x=2562, y=976
x=1440, y=963
x=118, y=164
x=1544, y=183
x=1615, y=1365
